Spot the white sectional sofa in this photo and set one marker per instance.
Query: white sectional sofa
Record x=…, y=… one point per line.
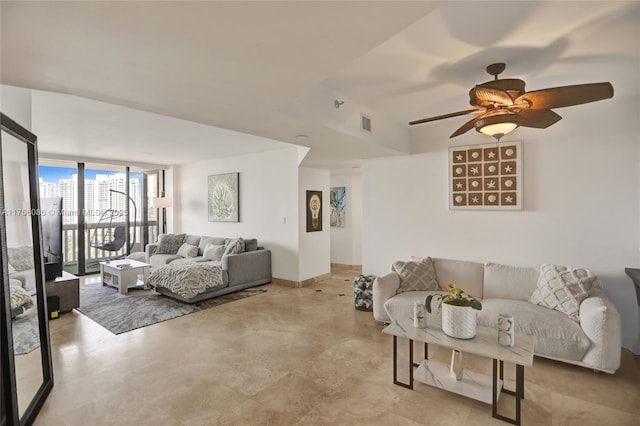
x=590, y=339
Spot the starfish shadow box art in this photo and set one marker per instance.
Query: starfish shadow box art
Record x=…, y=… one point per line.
x=486, y=177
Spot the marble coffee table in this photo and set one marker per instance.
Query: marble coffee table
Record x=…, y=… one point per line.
x=453, y=377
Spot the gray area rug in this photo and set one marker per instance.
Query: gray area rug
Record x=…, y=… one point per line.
x=26, y=336
x=120, y=313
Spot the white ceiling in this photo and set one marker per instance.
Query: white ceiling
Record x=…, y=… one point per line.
x=242, y=65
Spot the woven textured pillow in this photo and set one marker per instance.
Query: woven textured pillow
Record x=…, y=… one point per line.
x=563, y=288
x=187, y=250
x=169, y=243
x=213, y=252
x=416, y=276
x=234, y=246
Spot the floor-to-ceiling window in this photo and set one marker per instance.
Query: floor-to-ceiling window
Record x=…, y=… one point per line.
x=106, y=213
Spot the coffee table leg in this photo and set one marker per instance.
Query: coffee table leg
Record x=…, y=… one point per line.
x=519, y=392
x=395, y=364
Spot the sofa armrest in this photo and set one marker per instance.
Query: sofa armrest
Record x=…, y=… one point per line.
x=149, y=250
x=384, y=287
x=600, y=321
x=248, y=267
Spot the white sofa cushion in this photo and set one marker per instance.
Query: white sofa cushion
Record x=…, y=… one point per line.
x=509, y=282
x=466, y=275
x=554, y=334
x=416, y=275
x=401, y=305
x=563, y=288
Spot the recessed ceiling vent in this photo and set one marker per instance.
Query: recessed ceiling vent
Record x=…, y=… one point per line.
x=365, y=123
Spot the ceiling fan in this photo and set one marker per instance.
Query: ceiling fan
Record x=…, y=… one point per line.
x=503, y=105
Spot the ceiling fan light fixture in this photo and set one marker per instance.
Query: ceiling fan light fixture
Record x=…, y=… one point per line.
x=498, y=125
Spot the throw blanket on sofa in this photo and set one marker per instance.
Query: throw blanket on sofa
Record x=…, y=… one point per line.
x=186, y=278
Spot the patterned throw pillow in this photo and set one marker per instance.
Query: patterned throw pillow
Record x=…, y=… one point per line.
x=563, y=288
x=170, y=243
x=21, y=258
x=234, y=246
x=187, y=250
x=213, y=252
x=416, y=276
x=19, y=297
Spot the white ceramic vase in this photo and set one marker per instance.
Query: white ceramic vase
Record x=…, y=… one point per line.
x=458, y=321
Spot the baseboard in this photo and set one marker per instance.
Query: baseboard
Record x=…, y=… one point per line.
x=355, y=268
x=300, y=284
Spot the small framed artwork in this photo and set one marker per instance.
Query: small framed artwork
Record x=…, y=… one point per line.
x=486, y=177
x=314, y=211
x=338, y=202
x=223, y=195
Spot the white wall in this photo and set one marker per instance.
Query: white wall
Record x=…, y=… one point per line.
x=268, y=193
x=346, y=242
x=581, y=202
x=15, y=102
x=315, y=247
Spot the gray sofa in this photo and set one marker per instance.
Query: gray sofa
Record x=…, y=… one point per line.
x=248, y=268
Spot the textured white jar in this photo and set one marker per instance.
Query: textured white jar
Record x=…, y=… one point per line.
x=458, y=321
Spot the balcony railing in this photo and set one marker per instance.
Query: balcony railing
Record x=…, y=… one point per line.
x=103, y=233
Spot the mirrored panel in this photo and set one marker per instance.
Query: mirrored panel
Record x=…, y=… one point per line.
x=27, y=339
x=21, y=264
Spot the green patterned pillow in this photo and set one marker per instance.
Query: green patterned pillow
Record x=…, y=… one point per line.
x=416, y=275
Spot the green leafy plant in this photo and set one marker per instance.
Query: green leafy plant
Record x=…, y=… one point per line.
x=456, y=297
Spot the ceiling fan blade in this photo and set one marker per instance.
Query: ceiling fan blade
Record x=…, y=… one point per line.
x=466, y=126
x=558, y=97
x=538, y=118
x=440, y=117
x=480, y=95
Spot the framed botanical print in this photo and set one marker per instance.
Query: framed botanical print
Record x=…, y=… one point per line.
x=223, y=195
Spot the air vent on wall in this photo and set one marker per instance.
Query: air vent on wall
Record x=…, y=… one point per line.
x=365, y=123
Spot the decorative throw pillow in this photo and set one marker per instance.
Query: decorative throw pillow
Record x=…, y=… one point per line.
x=169, y=244
x=234, y=246
x=21, y=258
x=19, y=297
x=213, y=252
x=416, y=275
x=187, y=250
x=563, y=288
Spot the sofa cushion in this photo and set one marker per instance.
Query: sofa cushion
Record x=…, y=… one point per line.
x=158, y=260
x=213, y=252
x=169, y=243
x=401, y=305
x=251, y=244
x=21, y=258
x=563, y=288
x=194, y=240
x=208, y=240
x=416, y=275
x=466, y=275
x=234, y=246
x=187, y=250
x=509, y=282
x=554, y=334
